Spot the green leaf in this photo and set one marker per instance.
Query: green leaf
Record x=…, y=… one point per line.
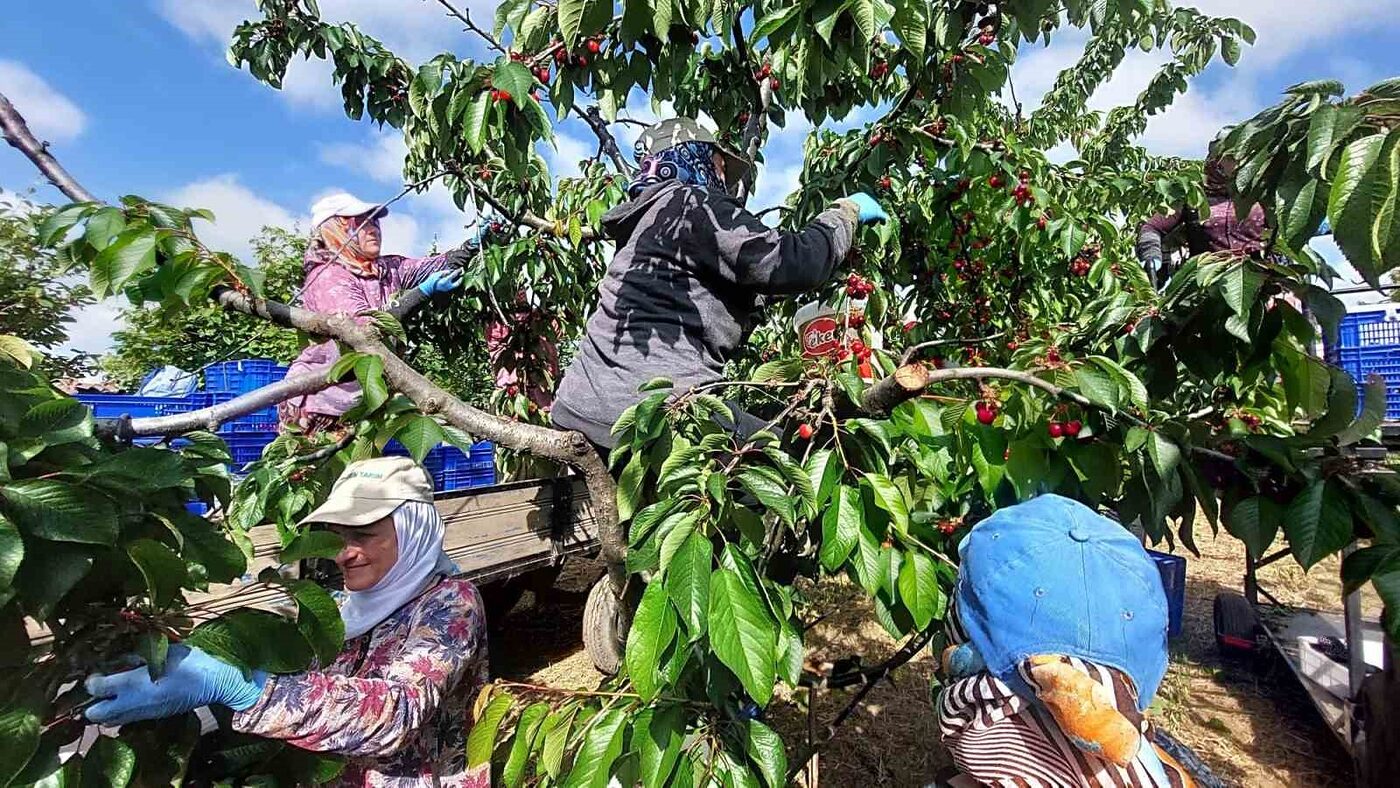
x=1255, y=521
x=661, y=12
x=891, y=499
x=318, y=620
x=771, y=21
x=1240, y=285
x=1098, y=387
x=109, y=763
x=254, y=639
x=163, y=570
x=515, y=79
x=657, y=736
x=688, y=582
x=629, y=487
x=133, y=253
x=910, y=23
x=1366, y=563
x=53, y=416
x=58, y=223
x=555, y=730
x=312, y=544
x=742, y=633
x=1318, y=523
x=526, y=733
x=1341, y=407
x=918, y=587
x=823, y=471
x=770, y=492
x=11, y=552
x=475, y=120
x=419, y=434
x=19, y=738
x=369, y=370
x=1166, y=455
x=1372, y=413
x=1328, y=128
x=571, y=13
x=46, y=576
x=1366, y=179
x=141, y=468
x=653, y=629
x=59, y=511
x=765, y=749
x=841, y=527
x=386, y=324
x=594, y=760
x=482, y=739
x=153, y=648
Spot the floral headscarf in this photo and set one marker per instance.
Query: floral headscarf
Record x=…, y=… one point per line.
x=688, y=162
x=342, y=233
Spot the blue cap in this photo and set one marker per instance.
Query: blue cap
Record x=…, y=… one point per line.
x=1051, y=576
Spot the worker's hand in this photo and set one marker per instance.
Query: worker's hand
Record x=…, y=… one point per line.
x=441, y=281
x=191, y=679
x=870, y=211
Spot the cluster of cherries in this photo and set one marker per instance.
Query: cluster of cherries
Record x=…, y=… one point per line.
x=879, y=69
x=950, y=525
x=766, y=72
x=561, y=55
x=1065, y=429
x=858, y=286
x=1080, y=265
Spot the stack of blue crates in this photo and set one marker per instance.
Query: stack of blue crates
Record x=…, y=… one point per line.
x=247, y=436
x=454, y=469
x=1369, y=344
x=1173, y=571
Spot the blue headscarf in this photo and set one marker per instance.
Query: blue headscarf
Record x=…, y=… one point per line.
x=688, y=162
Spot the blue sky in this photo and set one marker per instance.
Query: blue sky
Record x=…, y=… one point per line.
x=136, y=97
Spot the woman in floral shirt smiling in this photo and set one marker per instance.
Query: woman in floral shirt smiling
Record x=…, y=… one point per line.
x=396, y=701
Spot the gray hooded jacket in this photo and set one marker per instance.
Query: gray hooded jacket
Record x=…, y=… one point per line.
x=682, y=294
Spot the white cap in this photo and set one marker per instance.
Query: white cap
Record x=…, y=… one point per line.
x=370, y=490
x=342, y=204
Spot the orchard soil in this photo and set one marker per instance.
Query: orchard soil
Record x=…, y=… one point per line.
x=1251, y=722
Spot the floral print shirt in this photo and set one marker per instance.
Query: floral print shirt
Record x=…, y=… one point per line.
x=396, y=701
x=329, y=287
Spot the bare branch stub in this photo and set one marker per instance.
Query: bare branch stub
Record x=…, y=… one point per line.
x=466, y=18
x=606, y=142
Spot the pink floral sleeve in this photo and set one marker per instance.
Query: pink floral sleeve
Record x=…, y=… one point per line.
x=385, y=697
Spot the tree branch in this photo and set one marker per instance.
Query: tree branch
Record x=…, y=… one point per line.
x=17, y=133
x=762, y=99
x=913, y=351
x=595, y=121
x=211, y=417
x=466, y=18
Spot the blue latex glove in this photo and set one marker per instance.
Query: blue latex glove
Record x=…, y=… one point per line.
x=870, y=211
x=441, y=281
x=192, y=679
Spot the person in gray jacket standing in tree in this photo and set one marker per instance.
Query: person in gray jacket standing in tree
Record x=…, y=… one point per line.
x=682, y=292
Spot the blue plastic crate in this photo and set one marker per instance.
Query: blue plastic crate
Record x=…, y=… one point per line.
x=247, y=447
x=1370, y=345
x=467, y=478
x=240, y=377
x=114, y=406
x=1173, y=571
x=197, y=508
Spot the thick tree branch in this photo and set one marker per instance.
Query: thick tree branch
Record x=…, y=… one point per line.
x=211, y=417
x=17, y=133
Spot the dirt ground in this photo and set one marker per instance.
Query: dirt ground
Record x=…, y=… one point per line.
x=1251, y=722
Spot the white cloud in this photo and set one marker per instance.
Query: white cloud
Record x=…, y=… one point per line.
x=92, y=327
x=50, y=114
x=381, y=158
x=566, y=154
x=239, y=213
x=1285, y=28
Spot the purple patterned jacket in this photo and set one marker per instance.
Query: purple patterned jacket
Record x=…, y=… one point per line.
x=397, y=701
x=329, y=287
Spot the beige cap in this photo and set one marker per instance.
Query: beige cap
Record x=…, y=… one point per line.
x=669, y=133
x=370, y=490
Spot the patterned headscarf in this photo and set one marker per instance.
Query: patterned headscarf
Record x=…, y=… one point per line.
x=688, y=162
x=342, y=233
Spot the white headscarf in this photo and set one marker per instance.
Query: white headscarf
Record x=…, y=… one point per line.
x=419, y=529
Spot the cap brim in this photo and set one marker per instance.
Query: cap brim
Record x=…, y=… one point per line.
x=736, y=167
x=353, y=512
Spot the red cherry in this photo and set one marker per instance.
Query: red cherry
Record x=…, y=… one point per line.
x=503, y=95
x=885, y=182
x=774, y=83
x=805, y=432
x=593, y=46
x=910, y=325
x=1041, y=223
x=560, y=55
x=996, y=182
x=582, y=61
x=1073, y=428
x=958, y=58
x=1057, y=430
x=985, y=414
x=765, y=70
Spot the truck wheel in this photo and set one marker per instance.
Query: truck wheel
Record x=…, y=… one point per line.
x=603, y=637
